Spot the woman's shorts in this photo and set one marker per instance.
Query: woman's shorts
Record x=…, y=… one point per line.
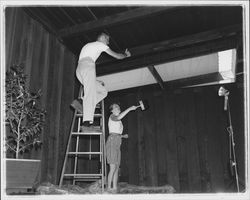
x=113, y=151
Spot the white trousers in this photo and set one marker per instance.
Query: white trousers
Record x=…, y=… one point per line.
x=94, y=91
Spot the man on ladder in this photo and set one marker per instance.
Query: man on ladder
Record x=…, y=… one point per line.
x=94, y=91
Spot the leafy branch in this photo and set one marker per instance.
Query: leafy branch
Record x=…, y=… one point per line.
x=24, y=115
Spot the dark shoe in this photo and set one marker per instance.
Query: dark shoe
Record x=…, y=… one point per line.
x=108, y=191
x=86, y=123
x=112, y=191
x=77, y=105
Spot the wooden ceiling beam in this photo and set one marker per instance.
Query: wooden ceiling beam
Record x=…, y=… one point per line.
x=194, y=81
x=173, y=84
x=189, y=40
x=157, y=76
x=168, y=56
x=181, y=42
x=113, y=20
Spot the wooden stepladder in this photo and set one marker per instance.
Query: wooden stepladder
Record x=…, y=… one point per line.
x=84, y=159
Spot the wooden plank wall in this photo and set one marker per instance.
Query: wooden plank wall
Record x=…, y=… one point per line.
x=50, y=67
x=181, y=139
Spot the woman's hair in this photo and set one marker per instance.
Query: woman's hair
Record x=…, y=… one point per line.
x=112, y=106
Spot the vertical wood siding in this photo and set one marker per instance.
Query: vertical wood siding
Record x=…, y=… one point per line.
x=51, y=68
x=181, y=139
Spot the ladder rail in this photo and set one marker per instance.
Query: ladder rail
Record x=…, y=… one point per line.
x=104, y=170
x=90, y=146
x=77, y=148
x=67, y=149
x=76, y=157
x=69, y=140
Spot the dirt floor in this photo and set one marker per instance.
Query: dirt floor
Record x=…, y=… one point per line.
x=95, y=188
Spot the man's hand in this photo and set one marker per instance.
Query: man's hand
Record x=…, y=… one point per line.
x=102, y=83
x=127, y=52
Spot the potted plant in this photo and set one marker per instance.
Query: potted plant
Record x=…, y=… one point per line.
x=24, y=122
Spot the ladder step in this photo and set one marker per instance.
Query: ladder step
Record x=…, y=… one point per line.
x=91, y=179
x=87, y=133
x=84, y=153
x=95, y=115
x=83, y=175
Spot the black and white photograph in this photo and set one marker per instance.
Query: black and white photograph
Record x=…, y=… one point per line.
x=124, y=100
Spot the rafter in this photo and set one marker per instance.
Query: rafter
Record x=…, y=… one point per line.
x=112, y=20
x=181, y=41
x=177, y=48
x=196, y=80
x=175, y=84
x=168, y=56
x=157, y=76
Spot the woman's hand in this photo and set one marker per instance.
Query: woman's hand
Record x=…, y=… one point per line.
x=133, y=108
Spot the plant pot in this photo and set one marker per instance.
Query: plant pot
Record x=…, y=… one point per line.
x=21, y=174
